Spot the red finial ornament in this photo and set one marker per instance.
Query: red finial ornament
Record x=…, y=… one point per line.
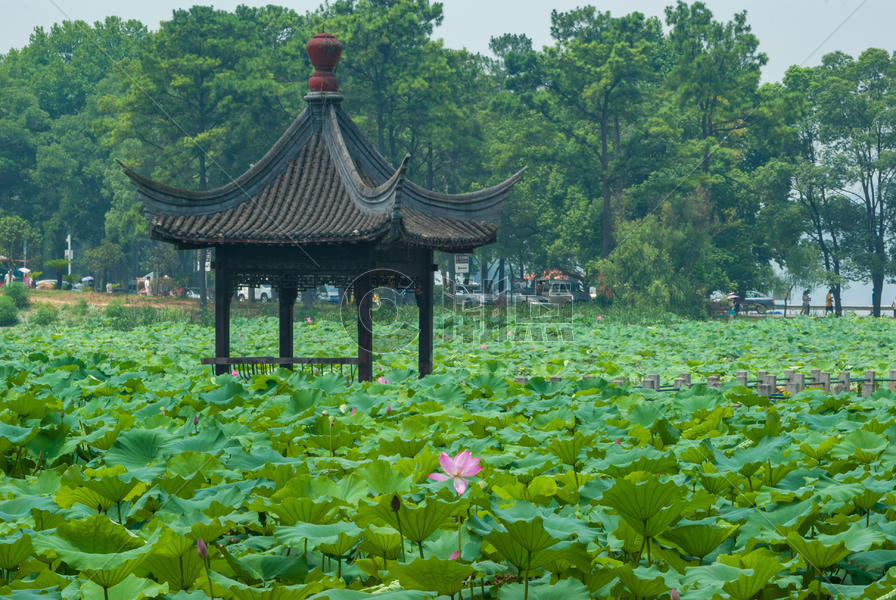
x=324, y=50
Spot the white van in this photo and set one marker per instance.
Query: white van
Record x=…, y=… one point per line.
x=262, y=293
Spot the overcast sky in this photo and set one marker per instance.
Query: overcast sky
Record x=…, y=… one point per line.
x=789, y=31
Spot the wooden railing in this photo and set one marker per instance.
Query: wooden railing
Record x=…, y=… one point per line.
x=247, y=366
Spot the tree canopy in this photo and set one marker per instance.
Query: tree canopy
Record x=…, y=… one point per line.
x=658, y=162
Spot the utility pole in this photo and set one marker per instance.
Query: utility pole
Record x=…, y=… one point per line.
x=68, y=252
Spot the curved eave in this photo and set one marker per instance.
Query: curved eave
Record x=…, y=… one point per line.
x=484, y=204
x=162, y=199
x=369, y=198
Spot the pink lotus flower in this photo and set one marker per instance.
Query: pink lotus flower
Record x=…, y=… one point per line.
x=388, y=409
x=234, y=373
x=674, y=595
x=454, y=555
x=617, y=442
x=201, y=549
x=483, y=347
x=354, y=411
x=308, y=320
x=239, y=335
x=600, y=318
x=462, y=466
x=382, y=379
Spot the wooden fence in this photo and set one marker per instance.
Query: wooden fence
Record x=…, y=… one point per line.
x=768, y=384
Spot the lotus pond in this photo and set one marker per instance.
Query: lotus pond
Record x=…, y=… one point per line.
x=130, y=472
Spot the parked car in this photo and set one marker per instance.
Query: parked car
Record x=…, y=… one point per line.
x=757, y=301
x=522, y=298
x=50, y=284
x=262, y=293
x=327, y=293
x=468, y=296
x=563, y=291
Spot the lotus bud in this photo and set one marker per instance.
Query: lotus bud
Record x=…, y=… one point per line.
x=331, y=421
x=353, y=410
x=396, y=503
x=234, y=373
x=195, y=420
x=201, y=549
x=62, y=415
x=162, y=410
x=674, y=595
x=324, y=413
x=617, y=442
x=454, y=555
x=343, y=408
x=388, y=409
x=308, y=320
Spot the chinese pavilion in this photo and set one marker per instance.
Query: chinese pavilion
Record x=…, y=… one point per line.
x=322, y=206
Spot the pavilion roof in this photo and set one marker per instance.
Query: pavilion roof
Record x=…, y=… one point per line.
x=322, y=182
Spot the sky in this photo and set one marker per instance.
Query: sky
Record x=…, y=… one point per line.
x=790, y=32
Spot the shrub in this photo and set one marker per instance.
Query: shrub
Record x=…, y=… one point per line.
x=43, y=314
x=80, y=308
x=18, y=293
x=9, y=312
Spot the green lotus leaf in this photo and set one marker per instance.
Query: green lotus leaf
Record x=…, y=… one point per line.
x=103, y=551
x=698, y=540
x=568, y=589
x=709, y=579
x=179, y=572
x=861, y=445
x=380, y=595
x=817, y=553
x=380, y=542
x=12, y=436
x=16, y=509
x=760, y=567
x=415, y=522
x=340, y=535
x=291, y=510
x=567, y=449
x=433, y=574
x=858, y=538
x=14, y=550
x=138, y=448
x=381, y=478
x=406, y=447
x=649, y=507
x=131, y=588
x=642, y=582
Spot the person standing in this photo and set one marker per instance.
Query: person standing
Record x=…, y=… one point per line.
x=829, y=303
x=806, y=299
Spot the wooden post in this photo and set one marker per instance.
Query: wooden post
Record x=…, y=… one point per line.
x=741, y=378
x=223, y=296
x=363, y=298
x=788, y=375
x=760, y=376
x=843, y=383
x=893, y=380
x=714, y=381
x=648, y=383
x=816, y=375
x=424, y=304
x=870, y=379
x=799, y=382
x=771, y=381
x=825, y=379
x=685, y=379
x=288, y=295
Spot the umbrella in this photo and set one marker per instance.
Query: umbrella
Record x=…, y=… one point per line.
x=88, y=278
x=24, y=269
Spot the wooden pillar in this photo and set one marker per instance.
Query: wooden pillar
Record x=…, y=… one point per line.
x=223, y=296
x=287, y=303
x=424, y=304
x=363, y=298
